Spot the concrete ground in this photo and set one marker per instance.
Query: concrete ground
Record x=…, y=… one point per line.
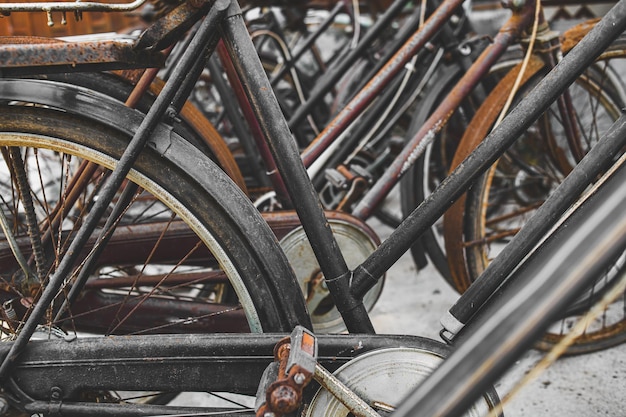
x=590, y=385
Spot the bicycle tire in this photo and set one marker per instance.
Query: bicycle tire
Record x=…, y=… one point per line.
x=220, y=215
x=525, y=179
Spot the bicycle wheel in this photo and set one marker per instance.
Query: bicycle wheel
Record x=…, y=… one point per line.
x=502, y=200
x=180, y=258
x=549, y=280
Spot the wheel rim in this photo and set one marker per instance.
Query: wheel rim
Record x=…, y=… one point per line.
x=56, y=150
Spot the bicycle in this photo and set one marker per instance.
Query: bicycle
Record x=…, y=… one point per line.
x=354, y=233
x=477, y=234
x=166, y=146
x=52, y=123
x=327, y=318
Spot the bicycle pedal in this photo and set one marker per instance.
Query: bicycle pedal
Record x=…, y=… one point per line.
x=282, y=383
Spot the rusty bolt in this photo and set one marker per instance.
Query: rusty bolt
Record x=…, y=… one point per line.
x=284, y=399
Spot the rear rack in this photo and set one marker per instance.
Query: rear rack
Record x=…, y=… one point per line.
x=75, y=6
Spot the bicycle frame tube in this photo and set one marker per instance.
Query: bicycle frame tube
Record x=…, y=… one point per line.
x=230, y=102
x=255, y=129
x=286, y=154
x=572, y=65
x=170, y=363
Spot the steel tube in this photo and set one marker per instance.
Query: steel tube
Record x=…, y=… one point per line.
x=287, y=157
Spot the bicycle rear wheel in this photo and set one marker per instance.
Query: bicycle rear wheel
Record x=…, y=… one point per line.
x=188, y=253
x=181, y=257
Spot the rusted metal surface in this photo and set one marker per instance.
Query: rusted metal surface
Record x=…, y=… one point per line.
x=26, y=40
x=375, y=86
x=70, y=6
x=132, y=244
x=255, y=129
x=96, y=310
x=38, y=24
x=573, y=35
x=477, y=130
x=40, y=52
x=474, y=134
x=427, y=133
x=296, y=358
x=172, y=26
